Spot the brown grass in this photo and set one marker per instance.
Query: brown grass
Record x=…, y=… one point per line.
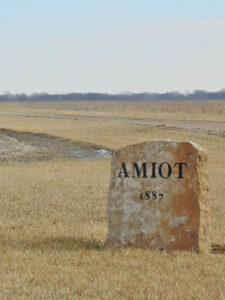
x=53, y=224
x=205, y=110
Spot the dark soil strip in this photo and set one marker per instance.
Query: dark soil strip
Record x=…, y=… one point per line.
x=217, y=249
x=25, y=146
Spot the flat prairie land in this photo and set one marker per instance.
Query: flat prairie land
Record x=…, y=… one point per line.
x=53, y=211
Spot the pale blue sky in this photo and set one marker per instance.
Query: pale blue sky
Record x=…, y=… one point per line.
x=111, y=46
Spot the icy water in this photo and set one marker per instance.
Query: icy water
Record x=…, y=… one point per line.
x=25, y=146
x=89, y=153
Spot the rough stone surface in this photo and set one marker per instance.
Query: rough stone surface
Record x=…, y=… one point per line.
x=177, y=221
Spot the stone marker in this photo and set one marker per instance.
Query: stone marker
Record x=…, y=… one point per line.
x=158, y=197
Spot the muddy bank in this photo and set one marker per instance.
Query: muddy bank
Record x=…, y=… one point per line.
x=24, y=146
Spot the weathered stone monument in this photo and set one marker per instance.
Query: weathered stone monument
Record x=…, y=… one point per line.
x=158, y=197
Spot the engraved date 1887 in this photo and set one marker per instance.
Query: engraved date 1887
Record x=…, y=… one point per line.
x=151, y=195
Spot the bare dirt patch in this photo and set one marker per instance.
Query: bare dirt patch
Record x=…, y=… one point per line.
x=25, y=146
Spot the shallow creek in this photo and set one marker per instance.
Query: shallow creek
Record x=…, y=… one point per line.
x=26, y=146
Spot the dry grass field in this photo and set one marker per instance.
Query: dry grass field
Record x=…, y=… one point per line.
x=53, y=213
x=184, y=110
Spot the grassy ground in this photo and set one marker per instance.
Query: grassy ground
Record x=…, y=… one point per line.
x=53, y=224
x=207, y=110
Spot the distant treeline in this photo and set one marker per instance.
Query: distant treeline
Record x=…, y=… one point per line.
x=196, y=95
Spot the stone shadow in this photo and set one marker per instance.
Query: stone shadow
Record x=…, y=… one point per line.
x=53, y=243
